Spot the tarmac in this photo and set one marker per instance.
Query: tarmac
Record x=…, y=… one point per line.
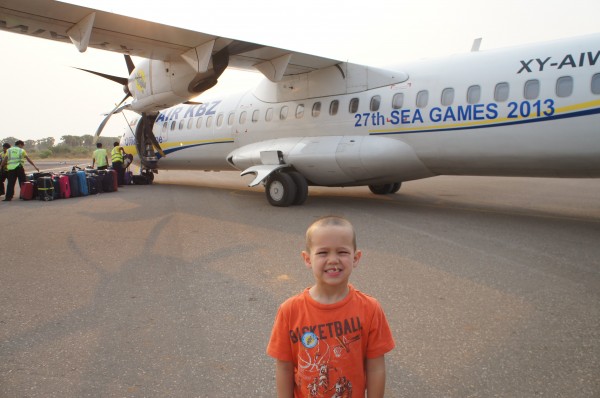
x=491, y=286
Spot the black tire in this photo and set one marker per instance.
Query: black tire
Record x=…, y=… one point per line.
x=280, y=190
x=395, y=187
x=382, y=189
x=149, y=176
x=301, y=187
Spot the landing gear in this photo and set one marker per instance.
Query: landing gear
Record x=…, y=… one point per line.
x=301, y=187
x=385, y=189
x=149, y=175
x=284, y=189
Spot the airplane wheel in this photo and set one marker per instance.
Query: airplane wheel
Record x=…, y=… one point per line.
x=301, y=187
x=149, y=176
x=382, y=189
x=395, y=187
x=281, y=190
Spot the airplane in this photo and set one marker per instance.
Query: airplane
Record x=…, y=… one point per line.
x=530, y=111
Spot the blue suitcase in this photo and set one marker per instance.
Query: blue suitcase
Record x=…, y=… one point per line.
x=83, y=185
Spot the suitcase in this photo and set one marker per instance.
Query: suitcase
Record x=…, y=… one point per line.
x=65, y=186
x=138, y=179
x=28, y=190
x=115, y=179
x=94, y=184
x=128, y=177
x=107, y=180
x=45, y=188
x=83, y=186
x=56, y=183
x=73, y=183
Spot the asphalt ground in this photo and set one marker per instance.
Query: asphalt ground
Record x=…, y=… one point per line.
x=491, y=286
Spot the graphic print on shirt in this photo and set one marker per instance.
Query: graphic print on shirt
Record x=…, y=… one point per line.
x=321, y=364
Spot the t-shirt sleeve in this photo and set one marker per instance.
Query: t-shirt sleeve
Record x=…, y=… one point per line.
x=380, y=335
x=279, y=346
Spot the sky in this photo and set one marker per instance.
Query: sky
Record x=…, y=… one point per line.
x=42, y=95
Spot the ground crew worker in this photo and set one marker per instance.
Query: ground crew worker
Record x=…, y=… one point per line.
x=117, y=162
x=3, y=170
x=14, y=162
x=100, y=157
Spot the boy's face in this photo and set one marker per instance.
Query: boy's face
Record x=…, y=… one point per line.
x=332, y=255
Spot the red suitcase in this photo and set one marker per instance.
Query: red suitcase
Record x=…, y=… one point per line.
x=27, y=190
x=115, y=179
x=65, y=187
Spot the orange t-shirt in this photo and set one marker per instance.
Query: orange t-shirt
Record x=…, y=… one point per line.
x=329, y=343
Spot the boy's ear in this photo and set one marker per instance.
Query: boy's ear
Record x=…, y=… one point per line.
x=306, y=258
x=357, y=256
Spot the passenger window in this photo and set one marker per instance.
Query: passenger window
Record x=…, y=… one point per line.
x=596, y=84
x=269, y=115
x=181, y=124
x=353, y=107
x=219, y=119
x=190, y=123
x=243, y=117
x=316, y=109
x=447, y=96
x=209, y=121
x=333, y=107
x=398, y=100
x=501, y=92
x=173, y=125
x=255, y=115
x=531, y=89
x=300, y=111
x=199, y=122
x=564, y=86
x=375, y=103
x=473, y=94
x=283, y=114
x=422, y=98
x=165, y=125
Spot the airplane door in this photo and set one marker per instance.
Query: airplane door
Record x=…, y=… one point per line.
x=163, y=135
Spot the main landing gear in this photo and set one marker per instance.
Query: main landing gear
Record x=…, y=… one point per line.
x=384, y=189
x=286, y=188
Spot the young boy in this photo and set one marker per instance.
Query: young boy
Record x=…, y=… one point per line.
x=330, y=340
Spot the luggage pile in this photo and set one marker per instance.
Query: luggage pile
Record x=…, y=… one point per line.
x=72, y=184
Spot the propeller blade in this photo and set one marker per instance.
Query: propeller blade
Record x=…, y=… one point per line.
x=129, y=62
x=121, y=80
x=105, y=120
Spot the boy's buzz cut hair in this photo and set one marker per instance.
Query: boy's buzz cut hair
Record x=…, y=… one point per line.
x=336, y=221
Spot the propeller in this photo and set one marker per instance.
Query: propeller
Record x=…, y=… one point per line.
x=107, y=117
x=118, y=108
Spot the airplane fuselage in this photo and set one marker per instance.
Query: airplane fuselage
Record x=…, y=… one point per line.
x=526, y=111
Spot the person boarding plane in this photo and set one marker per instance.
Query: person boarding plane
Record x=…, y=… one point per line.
x=527, y=111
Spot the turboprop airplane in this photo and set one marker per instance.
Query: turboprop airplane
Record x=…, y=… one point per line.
x=526, y=111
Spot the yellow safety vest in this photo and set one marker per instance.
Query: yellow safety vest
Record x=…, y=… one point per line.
x=16, y=157
x=116, y=154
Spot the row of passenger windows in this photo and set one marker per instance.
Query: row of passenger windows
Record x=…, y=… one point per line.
x=531, y=91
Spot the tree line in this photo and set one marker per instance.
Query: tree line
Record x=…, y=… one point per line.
x=69, y=146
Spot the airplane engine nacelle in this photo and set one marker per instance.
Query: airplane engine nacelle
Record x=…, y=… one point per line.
x=156, y=85
x=338, y=160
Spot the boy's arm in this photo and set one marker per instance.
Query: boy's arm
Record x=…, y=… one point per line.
x=284, y=378
x=376, y=377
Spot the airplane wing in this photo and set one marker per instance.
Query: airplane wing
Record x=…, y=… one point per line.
x=86, y=27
